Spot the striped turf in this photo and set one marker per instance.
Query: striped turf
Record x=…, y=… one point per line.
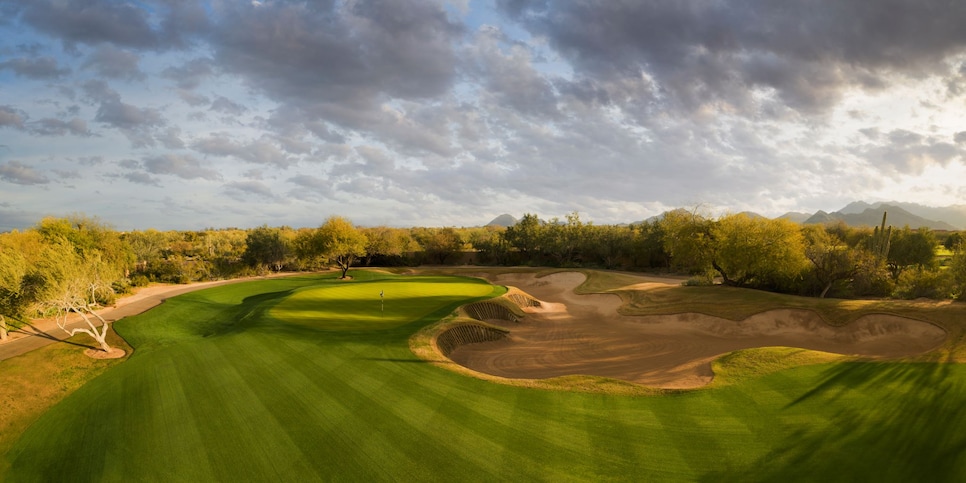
x=269, y=381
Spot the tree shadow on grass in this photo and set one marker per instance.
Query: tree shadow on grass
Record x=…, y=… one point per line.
x=37, y=332
x=870, y=421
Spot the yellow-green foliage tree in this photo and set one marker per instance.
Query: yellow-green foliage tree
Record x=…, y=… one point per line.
x=831, y=258
x=757, y=251
x=336, y=240
x=911, y=248
x=439, y=244
x=19, y=281
x=688, y=241
x=76, y=283
x=387, y=244
x=267, y=247
x=957, y=272
x=525, y=236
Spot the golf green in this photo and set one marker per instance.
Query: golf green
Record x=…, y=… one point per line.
x=362, y=305
x=271, y=381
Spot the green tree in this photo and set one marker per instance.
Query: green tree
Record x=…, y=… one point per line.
x=648, y=247
x=387, y=243
x=266, y=247
x=75, y=283
x=911, y=248
x=688, y=241
x=525, y=236
x=957, y=272
x=832, y=259
x=607, y=246
x=13, y=269
x=561, y=240
x=490, y=243
x=953, y=240
x=439, y=243
x=19, y=283
x=337, y=240
x=757, y=251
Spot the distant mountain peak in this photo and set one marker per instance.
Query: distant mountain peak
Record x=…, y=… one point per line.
x=504, y=220
x=860, y=213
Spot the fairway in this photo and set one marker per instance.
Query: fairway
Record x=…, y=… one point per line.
x=302, y=379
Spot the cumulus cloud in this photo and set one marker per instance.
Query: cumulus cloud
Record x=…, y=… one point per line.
x=259, y=151
x=35, y=68
x=112, y=62
x=246, y=190
x=142, y=178
x=57, y=127
x=413, y=108
x=398, y=49
x=226, y=106
x=12, y=117
x=165, y=25
x=191, y=74
x=18, y=173
x=136, y=123
x=704, y=53
x=908, y=153
x=182, y=166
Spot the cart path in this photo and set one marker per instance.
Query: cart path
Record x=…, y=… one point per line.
x=42, y=332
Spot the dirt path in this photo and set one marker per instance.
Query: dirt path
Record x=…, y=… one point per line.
x=42, y=332
x=584, y=334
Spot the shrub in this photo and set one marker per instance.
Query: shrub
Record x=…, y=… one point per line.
x=933, y=284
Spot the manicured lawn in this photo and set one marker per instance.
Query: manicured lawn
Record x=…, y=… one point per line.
x=300, y=379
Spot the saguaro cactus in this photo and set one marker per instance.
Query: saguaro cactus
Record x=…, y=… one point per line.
x=881, y=239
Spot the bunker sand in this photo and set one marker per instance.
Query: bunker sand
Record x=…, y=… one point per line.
x=584, y=334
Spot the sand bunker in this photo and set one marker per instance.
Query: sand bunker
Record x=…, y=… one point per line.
x=583, y=334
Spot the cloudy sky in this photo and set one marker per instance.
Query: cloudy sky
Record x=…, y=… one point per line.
x=188, y=114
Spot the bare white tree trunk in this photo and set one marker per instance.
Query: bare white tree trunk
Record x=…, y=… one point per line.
x=3, y=329
x=85, y=311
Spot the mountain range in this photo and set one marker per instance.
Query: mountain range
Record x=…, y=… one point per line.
x=858, y=213
x=900, y=214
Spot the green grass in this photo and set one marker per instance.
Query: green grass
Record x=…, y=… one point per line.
x=233, y=384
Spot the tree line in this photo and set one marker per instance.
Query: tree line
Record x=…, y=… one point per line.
x=73, y=265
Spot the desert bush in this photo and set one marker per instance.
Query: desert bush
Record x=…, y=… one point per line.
x=933, y=284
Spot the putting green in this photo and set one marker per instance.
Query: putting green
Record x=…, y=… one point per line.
x=374, y=304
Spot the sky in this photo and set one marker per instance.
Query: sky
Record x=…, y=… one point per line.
x=184, y=114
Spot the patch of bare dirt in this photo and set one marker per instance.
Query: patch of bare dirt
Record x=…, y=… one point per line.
x=572, y=334
x=114, y=353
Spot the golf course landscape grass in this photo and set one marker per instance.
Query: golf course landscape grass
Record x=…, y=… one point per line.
x=311, y=378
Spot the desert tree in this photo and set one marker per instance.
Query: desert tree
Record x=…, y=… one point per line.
x=953, y=241
x=387, y=243
x=561, y=240
x=75, y=283
x=751, y=251
x=957, y=272
x=439, y=244
x=911, y=248
x=19, y=284
x=147, y=246
x=336, y=240
x=831, y=258
x=266, y=246
x=607, y=245
x=525, y=235
x=688, y=241
x=490, y=244
x=13, y=269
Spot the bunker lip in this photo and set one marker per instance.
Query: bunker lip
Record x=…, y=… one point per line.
x=572, y=334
